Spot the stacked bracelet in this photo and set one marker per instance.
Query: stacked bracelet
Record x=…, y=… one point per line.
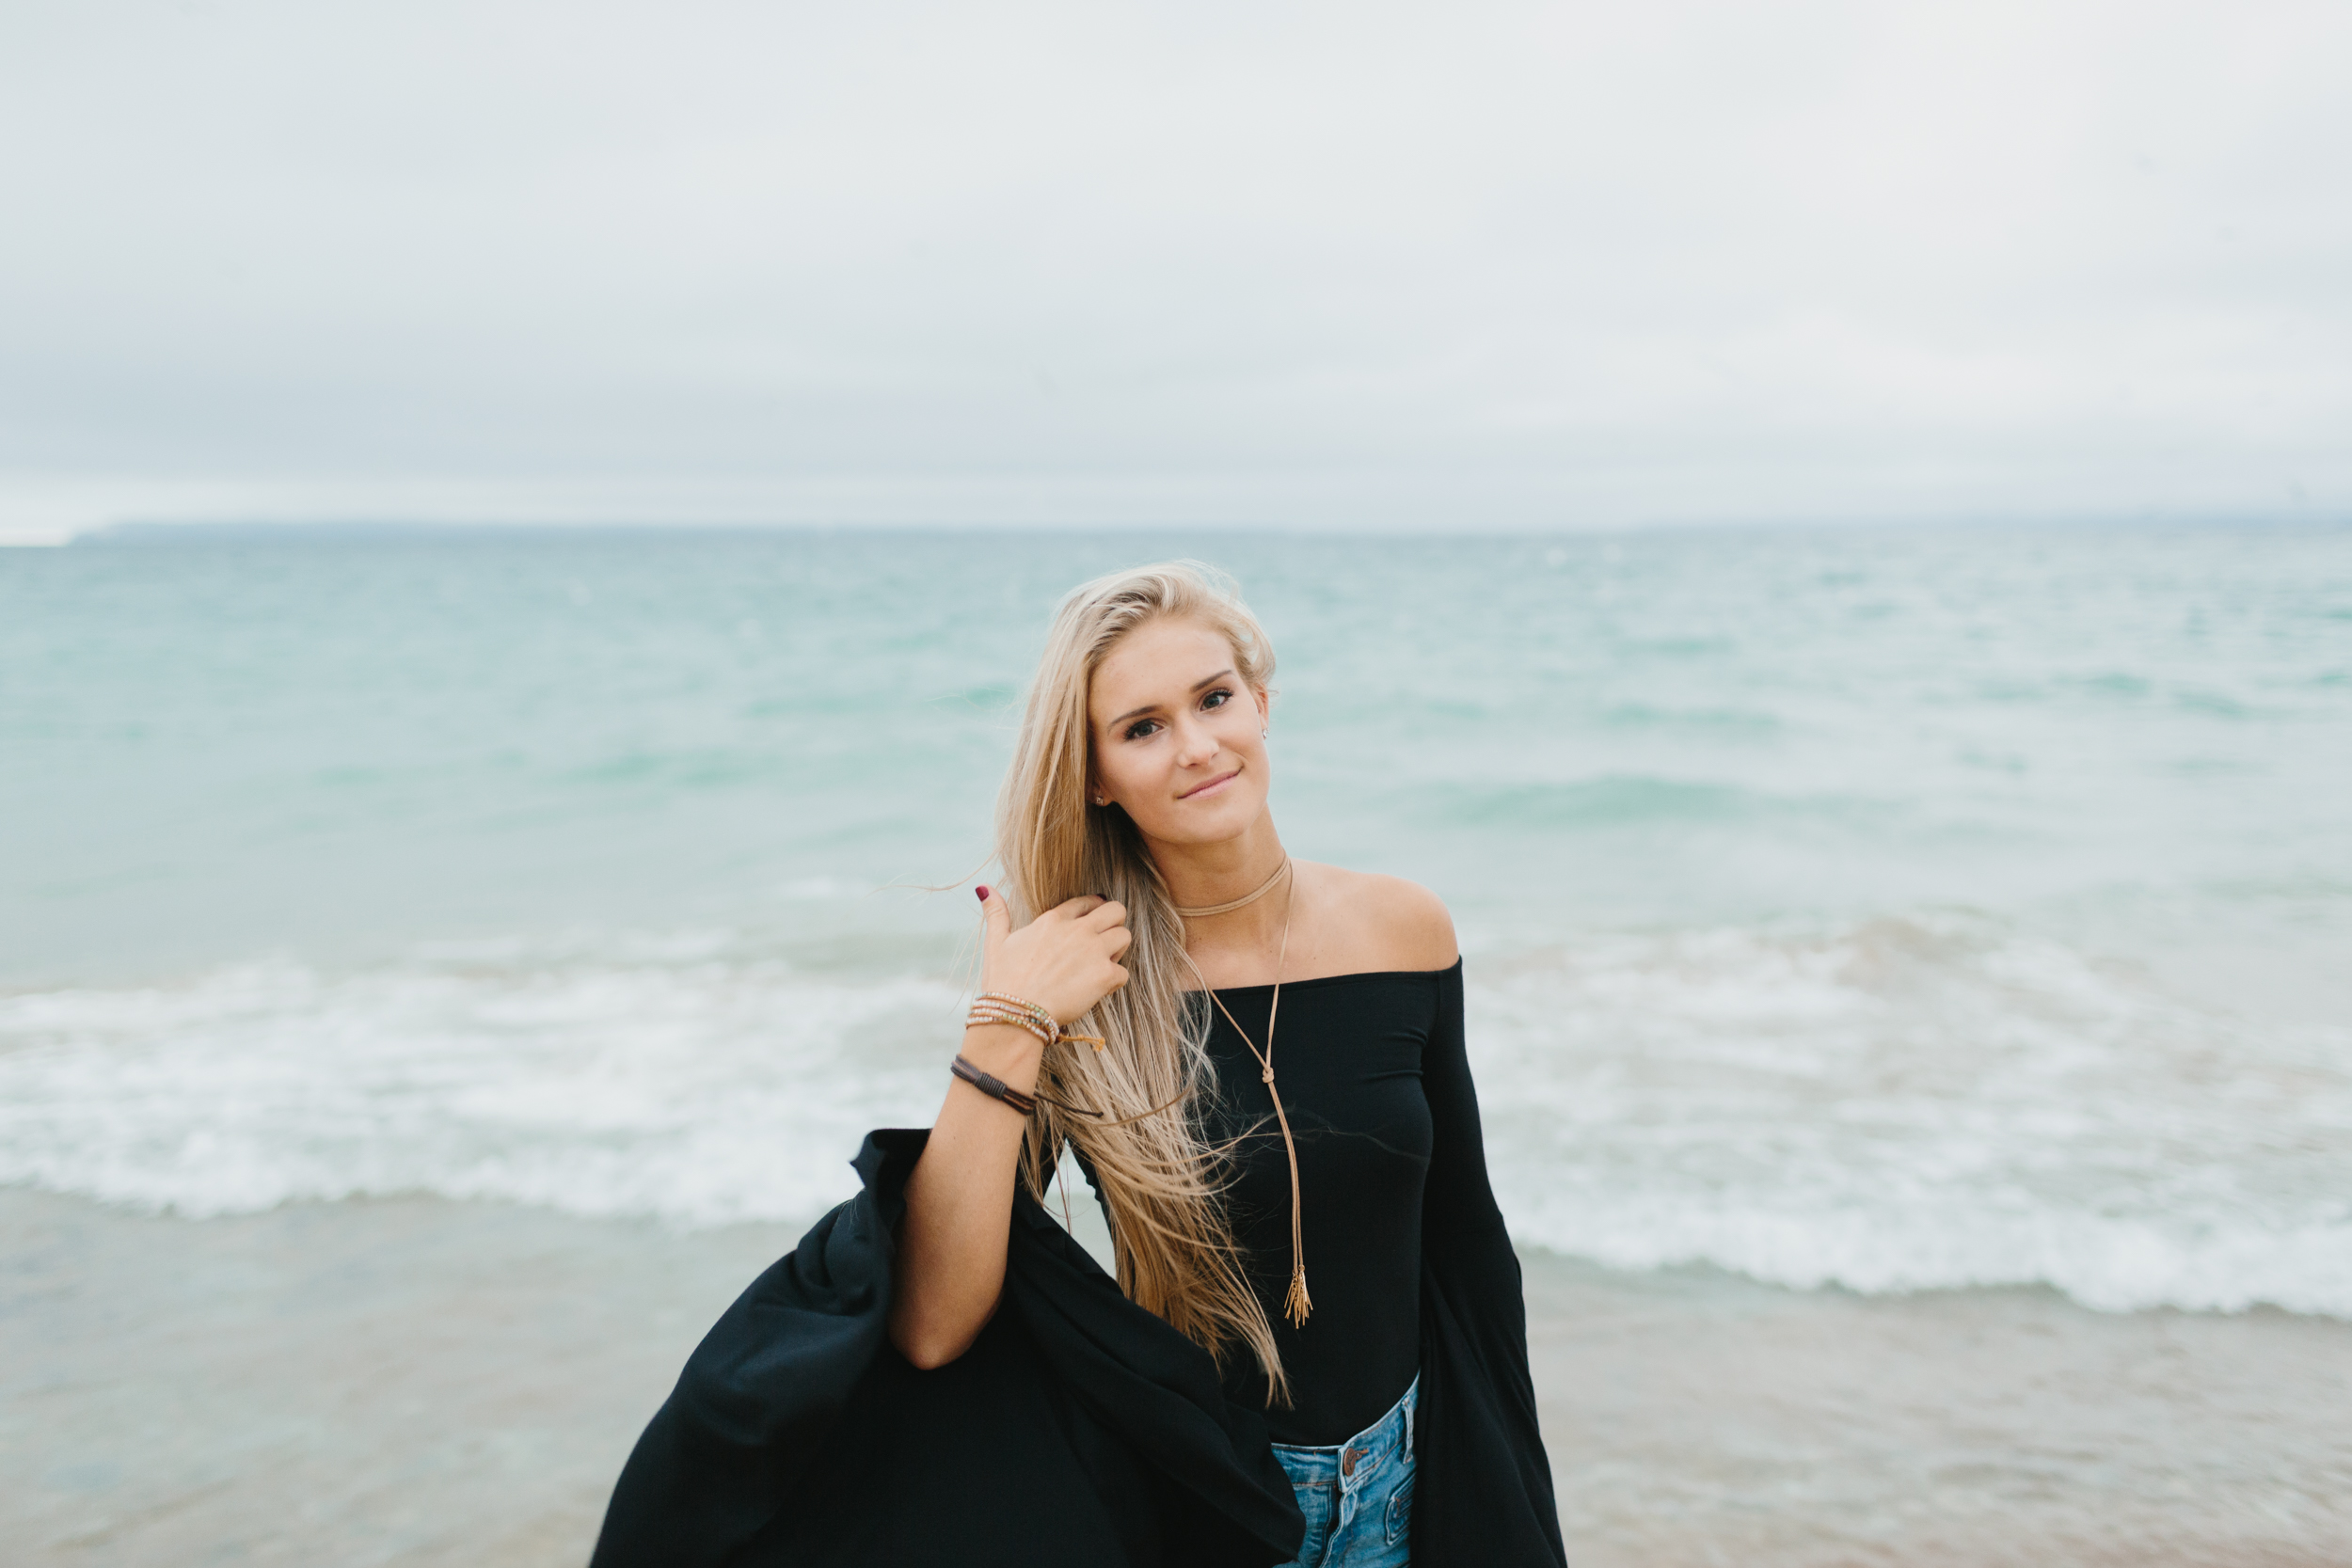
x=996, y=1007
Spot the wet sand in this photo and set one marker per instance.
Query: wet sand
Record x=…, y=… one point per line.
x=1699, y=1418
x=424, y=1381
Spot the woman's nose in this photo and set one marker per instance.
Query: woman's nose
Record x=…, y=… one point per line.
x=1195, y=745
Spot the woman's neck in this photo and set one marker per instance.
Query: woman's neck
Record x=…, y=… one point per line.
x=1203, y=876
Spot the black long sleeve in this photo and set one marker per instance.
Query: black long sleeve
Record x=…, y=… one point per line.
x=1457, y=1200
x=1485, y=1492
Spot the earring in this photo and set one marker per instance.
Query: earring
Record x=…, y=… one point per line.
x=1262, y=734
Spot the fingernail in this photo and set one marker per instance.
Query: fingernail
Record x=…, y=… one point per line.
x=982, y=892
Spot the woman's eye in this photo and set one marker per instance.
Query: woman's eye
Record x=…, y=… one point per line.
x=1141, y=727
x=1217, y=699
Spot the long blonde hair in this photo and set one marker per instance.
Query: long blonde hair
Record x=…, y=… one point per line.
x=1159, y=1174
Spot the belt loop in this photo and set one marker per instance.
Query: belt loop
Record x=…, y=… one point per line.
x=1412, y=1403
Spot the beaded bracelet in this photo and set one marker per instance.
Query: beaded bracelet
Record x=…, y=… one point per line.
x=1007, y=999
x=996, y=1006
x=979, y=1016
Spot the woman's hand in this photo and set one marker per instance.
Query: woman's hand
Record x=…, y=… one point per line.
x=951, y=1242
x=1065, y=961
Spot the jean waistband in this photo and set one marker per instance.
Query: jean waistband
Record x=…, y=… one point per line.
x=1353, y=1463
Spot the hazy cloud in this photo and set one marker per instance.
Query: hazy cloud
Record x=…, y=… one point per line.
x=1476, y=264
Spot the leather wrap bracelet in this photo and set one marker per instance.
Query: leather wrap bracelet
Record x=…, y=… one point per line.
x=994, y=1087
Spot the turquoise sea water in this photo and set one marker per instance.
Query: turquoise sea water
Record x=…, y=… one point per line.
x=1899, y=909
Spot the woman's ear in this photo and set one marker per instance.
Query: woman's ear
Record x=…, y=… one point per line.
x=1265, y=706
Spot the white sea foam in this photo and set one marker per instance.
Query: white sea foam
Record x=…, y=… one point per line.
x=1894, y=1105
x=1915, y=1104
x=700, y=1089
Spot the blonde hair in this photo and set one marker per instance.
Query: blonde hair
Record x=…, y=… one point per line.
x=1158, y=1173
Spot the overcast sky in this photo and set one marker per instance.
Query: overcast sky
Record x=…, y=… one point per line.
x=1461, y=265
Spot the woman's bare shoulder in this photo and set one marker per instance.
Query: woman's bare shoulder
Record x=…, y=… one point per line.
x=1382, y=923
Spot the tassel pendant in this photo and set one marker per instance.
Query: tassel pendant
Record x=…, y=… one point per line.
x=1297, y=1305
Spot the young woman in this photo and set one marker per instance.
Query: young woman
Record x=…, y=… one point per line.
x=1316, y=1349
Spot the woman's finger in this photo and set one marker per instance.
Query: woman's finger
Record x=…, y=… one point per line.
x=1109, y=913
x=1072, y=908
x=1122, y=938
x=996, y=918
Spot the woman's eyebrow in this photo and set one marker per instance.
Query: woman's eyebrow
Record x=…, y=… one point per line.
x=1140, y=712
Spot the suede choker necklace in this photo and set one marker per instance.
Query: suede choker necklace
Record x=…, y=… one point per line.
x=1232, y=904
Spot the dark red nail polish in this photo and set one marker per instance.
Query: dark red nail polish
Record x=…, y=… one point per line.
x=982, y=892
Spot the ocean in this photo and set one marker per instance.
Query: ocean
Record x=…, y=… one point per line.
x=1889, y=909
x=1871, y=908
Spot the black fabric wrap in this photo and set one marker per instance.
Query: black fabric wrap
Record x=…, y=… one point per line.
x=1078, y=1429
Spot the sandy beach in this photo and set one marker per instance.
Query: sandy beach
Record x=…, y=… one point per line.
x=418, y=1381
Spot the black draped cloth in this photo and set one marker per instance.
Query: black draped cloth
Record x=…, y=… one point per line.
x=1078, y=1429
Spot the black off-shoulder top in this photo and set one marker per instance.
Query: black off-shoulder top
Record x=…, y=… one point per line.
x=1374, y=1077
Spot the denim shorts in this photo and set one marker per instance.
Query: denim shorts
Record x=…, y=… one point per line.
x=1358, y=1496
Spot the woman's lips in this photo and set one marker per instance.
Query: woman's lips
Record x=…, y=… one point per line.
x=1212, y=786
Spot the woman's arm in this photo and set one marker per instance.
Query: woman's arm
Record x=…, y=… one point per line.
x=950, y=1269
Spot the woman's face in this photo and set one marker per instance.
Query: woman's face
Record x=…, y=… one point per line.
x=1177, y=733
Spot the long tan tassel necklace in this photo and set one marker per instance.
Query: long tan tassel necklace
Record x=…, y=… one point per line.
x=1297, y=1305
